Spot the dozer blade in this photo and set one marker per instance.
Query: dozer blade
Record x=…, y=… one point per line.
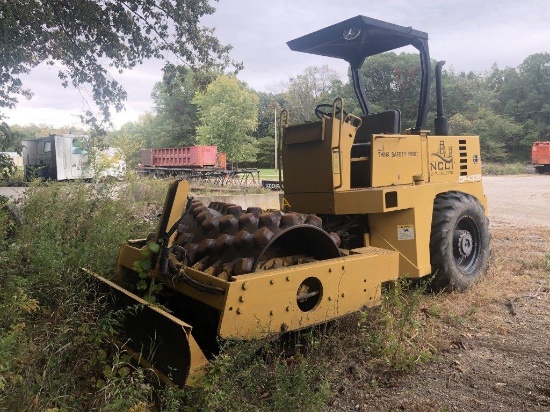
x=153, y=337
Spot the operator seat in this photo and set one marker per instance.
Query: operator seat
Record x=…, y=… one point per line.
x=388, y=122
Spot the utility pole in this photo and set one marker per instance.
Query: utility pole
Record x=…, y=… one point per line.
x=276, y=138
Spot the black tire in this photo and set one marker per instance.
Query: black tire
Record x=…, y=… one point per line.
x=542, y=169
x=459, y=241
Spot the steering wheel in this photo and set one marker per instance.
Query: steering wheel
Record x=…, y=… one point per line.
x=321, y=111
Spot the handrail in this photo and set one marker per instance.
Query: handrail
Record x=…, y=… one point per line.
x=350, y=116
x=344, y=117
x=281, y=137
x=339, y=135
x=341, y=113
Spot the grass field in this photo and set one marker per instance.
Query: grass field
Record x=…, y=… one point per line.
x=269, y=174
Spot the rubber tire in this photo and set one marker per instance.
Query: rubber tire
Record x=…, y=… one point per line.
x=456, y=210
x=542, y=169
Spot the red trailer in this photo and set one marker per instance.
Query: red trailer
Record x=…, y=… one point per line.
x=540, y=156
x=203, y=164
x=176, y=157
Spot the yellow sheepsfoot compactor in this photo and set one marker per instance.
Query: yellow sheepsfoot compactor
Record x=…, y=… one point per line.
x=365, y=202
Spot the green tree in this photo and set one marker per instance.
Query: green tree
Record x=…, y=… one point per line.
x=497, y=133
x=87, y=38
x=314, y=86
x=9, y=141
x=467, y=92
x=392, y=81
x=125, y=139
x=266, y=152
x=269, y=104
x=474, y=104
x=34, y=131
x=176, y=114
x=525, y=96
x=133, y=136
x=228, y=115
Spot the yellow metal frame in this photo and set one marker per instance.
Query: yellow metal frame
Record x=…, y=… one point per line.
x=265, y=302
x=407, y=172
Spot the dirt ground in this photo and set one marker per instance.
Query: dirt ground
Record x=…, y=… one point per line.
x=495, y=338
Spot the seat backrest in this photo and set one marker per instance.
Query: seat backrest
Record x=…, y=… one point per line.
x=388, y=122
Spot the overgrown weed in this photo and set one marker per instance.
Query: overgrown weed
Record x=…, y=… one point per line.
x=8, y=223
x=395, y=335
x=55, y=350
x=260, y=376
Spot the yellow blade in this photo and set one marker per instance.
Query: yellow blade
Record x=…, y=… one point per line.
x=152, y=336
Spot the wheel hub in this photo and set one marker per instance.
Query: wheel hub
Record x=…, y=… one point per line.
x=465, y=242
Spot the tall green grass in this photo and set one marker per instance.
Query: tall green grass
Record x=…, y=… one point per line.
x=504, y=168
x=54, y=338
x=269, y=174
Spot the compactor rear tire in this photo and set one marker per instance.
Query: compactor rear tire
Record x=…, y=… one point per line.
x=459, y=242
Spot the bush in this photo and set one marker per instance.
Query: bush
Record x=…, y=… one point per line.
x=262, y=376
x=504, y=168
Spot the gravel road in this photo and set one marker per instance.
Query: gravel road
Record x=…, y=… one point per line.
x=496, y=338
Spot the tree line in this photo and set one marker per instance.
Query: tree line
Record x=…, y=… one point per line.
x=509, y=108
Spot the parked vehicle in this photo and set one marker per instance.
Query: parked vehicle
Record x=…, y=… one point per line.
x=363, y=204
x=68, y=157
x=177, y=160
x=540, y=157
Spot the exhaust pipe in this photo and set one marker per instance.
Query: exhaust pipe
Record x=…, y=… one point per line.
x=441, y=127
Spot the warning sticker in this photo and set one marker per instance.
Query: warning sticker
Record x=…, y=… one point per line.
x=405, y=232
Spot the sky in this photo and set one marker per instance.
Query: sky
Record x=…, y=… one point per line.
x=467, y=34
